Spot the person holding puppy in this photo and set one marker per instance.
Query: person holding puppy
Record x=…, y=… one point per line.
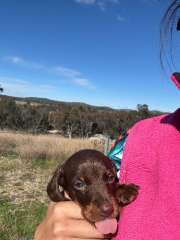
x=151, y=160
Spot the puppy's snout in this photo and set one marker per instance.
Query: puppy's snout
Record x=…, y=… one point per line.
x=106, y=209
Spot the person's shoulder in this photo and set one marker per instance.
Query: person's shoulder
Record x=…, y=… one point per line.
x=148, y=123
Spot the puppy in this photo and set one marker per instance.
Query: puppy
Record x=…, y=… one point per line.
x=89, y=178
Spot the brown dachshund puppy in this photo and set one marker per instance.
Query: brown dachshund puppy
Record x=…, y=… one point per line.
x=89, y=178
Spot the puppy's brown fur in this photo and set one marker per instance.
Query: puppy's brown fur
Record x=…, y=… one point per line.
x=89, y=178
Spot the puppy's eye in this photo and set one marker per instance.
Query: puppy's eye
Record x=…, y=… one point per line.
x=109, y=178
x=79, y=184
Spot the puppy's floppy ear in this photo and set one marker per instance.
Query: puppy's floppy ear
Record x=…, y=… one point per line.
x=126, y=193
x=55, y=188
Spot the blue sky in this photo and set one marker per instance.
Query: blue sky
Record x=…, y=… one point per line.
x=101, y=52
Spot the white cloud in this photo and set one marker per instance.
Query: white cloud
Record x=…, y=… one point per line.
x=67, y=72
x=57, y=70
x=19, y=87
x=120, y=18
x=113, y=1
x=84, y=83
x=102, y=4
x=14, y=60
x=71, y=75
x=22, y=62
x=85, y=1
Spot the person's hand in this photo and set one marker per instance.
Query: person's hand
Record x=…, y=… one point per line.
x=65, y=222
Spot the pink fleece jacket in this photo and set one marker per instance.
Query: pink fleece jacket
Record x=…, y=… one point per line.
x=152, y=161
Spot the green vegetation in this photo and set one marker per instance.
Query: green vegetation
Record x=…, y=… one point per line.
x=18, y=221
x=70, y=119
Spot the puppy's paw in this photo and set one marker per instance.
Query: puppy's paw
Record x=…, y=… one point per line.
x=126, y=193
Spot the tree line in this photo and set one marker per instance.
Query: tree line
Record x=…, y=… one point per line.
x=71, y=119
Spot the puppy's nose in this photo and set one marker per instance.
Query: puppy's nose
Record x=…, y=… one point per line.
x=106, y=209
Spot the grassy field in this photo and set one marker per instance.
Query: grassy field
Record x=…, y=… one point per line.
x=26, y=164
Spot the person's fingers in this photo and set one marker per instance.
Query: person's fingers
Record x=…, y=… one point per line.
x=65, y=221
x=76, y=229
x=67, y=209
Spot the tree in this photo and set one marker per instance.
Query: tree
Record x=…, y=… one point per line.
x=143, y=111
x=10, y=116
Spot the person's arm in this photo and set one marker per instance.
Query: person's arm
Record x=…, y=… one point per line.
x=64, y=221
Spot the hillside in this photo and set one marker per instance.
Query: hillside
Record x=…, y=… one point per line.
x=72, y=119
x=46, y=101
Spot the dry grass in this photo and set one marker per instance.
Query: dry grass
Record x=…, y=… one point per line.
x=26, y=164
x=29, y=147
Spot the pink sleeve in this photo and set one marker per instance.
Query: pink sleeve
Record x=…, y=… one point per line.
x=152, y=161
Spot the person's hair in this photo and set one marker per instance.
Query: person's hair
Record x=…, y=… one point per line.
x=168, y=25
